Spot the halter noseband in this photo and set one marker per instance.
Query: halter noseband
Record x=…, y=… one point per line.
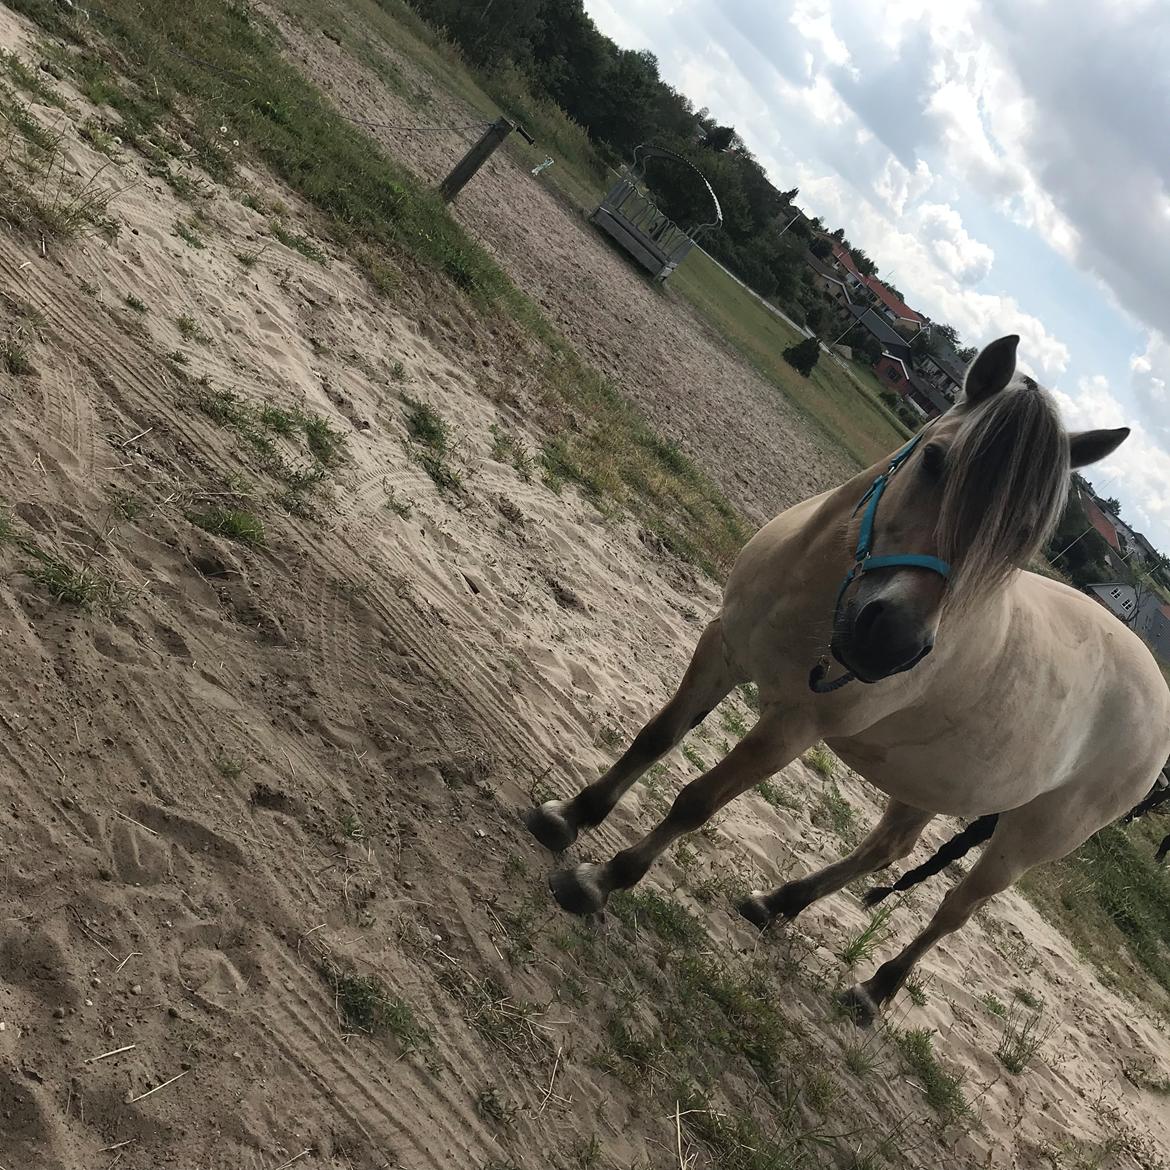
x=864, y=562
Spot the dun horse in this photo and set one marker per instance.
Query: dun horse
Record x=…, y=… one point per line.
x=991, y=690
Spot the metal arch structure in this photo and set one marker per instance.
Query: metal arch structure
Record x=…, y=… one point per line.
x=633, y=220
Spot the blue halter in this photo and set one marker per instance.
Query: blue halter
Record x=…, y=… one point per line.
x=864, y=562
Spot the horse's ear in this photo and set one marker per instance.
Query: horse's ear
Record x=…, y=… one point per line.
x=992, y=370
x=1085, y=447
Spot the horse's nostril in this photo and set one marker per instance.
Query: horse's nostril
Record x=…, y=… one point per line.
x=866, y=620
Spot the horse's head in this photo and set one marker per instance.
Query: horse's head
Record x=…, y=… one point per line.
x=981, y=491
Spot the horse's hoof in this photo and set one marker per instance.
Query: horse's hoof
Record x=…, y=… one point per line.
x=755, y=910
x=859, y=1005
x=548, y=824
x=578, y=890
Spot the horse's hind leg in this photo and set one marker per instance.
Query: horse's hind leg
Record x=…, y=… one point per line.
x=776, y=739
x=556, y=823
x=1023, y=838
x=892, y=838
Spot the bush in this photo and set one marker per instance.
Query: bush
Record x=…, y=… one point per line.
x=803, y=357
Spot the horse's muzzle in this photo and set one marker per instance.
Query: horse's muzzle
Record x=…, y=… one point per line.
x=879, y=639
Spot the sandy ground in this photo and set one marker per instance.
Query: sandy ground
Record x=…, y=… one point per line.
x=262, y=767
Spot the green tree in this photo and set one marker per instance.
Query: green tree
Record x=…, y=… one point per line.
x=803, y=356
x=1112, y=504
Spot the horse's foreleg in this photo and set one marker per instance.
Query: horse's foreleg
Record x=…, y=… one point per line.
x=1163, y=849
x=709, y=678
x=775, y=740
x=892, y=838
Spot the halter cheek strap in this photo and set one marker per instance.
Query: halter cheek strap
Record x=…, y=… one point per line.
x=864, y=562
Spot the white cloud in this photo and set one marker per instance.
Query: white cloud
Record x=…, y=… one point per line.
x=1139, y=469
x=896, y=186
x=1151, y=382
x=968, y=260
x=915, y=268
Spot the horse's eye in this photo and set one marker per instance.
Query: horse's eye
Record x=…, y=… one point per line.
x=934, y=459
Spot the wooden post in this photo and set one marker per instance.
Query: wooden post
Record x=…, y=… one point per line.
x=466, y=167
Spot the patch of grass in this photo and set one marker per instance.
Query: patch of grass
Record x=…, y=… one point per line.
x=916, y=989
x=425, y=425
x=1112, y=901
x=733, y=722
x=189, y=329
x=365, y=1005
x=587, y=1154
x=99, y=138
x=833, y=811
x=67, y=583
x=492, y=1107
x=1029, y=999
x=40, y=195
x=776, y=795
x=821, y=760
x=500, y=1018
x=691, y=755
x=431, y=444
x=860, y=1057
x=637, y=1051
x=398, y=372
x=515, y=868
x=234, y=523
x=1021, y=1040
x=736, y=1141
x=296, y=242
x=28, y=79
x=229, y=767
x=326, y=444
x=224, y=407
x=14, y=357
x=19, y=118
x=249, y=260
x=136, y=303
x=874, y=934
x=506, y=448
x=178, y=357
x=672, y=922
x=993, y=1004
x=126, y=504
x=187, y=233
x=943, y=1089
x=279, y=421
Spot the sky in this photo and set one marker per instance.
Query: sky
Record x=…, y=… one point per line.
x=1005, y=163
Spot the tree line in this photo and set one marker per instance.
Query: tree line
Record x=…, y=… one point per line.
x=619, y=98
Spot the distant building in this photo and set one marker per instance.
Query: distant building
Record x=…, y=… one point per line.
x=943, y=373
x=906, y=320
x=829, y=280
x=1097, y=516
x=892, y=343
x=1143, y=611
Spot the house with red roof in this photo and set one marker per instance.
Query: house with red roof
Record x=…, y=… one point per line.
x=1101, y=522
x=905, y=319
